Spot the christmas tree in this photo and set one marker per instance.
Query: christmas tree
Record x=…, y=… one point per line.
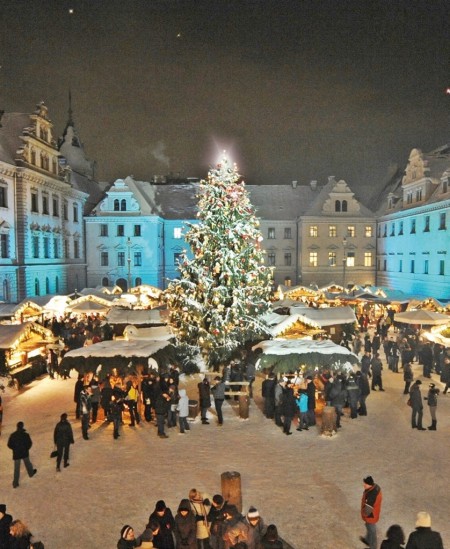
x=224, y=286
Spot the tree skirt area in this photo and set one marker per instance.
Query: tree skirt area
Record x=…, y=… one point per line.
x=308, y=485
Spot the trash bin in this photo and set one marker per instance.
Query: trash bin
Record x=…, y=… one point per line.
x=193, y=409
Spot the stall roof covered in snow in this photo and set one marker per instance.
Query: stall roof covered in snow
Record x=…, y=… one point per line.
x=109, y=349
x=156, y=333
x=328, y=316
x=138, y=316
x=10, y=334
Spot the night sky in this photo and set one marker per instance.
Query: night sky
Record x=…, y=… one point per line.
x=295, y=90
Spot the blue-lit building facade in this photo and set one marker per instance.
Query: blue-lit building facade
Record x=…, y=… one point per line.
x=413, y=227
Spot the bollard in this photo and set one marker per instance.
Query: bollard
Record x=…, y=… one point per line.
x=244, y=406
x=328, y=421
x=231, y=488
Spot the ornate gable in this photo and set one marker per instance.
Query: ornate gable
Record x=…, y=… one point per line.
x=341, y=199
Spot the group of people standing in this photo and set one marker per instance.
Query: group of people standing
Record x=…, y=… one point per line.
x=14, y=534
x=202, y=522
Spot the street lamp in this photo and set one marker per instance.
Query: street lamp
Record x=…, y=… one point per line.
x=344, y=261
x=129, y=262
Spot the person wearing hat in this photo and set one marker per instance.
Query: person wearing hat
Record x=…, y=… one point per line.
x=205, y=399
x=218, y=391
x=162, y=515
x=63, y=438
x=268, y=394
x=235, y=527
x=256, y=528
x=415, y=398
x=5, y=523
x=433, y=393
x=20, y=443
x=185, y=527
x=370, y=511
x=127, y=539
x=423, y=535
x=216, y=521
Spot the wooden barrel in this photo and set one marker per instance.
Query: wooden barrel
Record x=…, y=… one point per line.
x=328, y=421
x=231, y=488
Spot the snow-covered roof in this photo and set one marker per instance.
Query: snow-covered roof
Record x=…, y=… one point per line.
x=281, y=346
x=327, y=316
x=140, y=316
x=11, y=333
x=155, y=333
x=109, y=349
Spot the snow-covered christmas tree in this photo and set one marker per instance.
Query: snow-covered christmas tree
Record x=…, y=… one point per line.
x=224, y=287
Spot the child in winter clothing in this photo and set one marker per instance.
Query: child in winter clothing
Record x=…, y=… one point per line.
x=302, y=403
x=183, y=411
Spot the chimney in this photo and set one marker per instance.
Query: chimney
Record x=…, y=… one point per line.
x=294, y=184
x=313, y=185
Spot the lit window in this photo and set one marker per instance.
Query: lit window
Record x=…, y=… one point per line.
x=351, y=259
x=332, y=259
x=313, y=231
x=287, y=233
x=368, y=259
x=351, y=230
x=332, y=231
x=121, y=259
x=368, y=231
x=271, y=233
x=313, y=259
x=177, y=232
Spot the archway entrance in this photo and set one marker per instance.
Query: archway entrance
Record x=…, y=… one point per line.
x=122, y=283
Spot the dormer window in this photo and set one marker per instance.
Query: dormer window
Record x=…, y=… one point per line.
x=116, y=205
x=337, y=206
x=123, y=205
x=409, y=198
x=419, y=195
x=344, y=205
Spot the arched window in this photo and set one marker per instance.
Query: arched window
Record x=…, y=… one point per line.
x=36, y=287
x=337, y=206
x=57, y=285
x=47, y=285
x=123, y=205
x=105, y=281
x=344, y=205
x=116, y=205
x=138, y=281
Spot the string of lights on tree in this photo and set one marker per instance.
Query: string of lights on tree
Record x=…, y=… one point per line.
x=224, y=286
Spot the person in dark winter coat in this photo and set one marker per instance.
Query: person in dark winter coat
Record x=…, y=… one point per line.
x=185, y=527
x=395, y=538
x=5, y=523
x=218, y=391
x=216, y=522
x=364, y=391
x=19, y=535
x=288, y=408
x=79, y=384
x=338, y=397
x=445, y=373
x=416, y=406
x=163, y=516
x=432, y=397
x=20, y=443
x=424, y=537
x=63, y=438
x=353, y=394
x=365, y=363
x=268, y=394
x=256, y=528
x=205, y=399
x=270, y=539
x=311, y=392
x=376, y=367
x=408, y=377
x=161, y=404
x=127, y=539
x=235, y=527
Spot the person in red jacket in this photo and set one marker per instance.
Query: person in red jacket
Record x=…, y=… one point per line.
x=370, y=511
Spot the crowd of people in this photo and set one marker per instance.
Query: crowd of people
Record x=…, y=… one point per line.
x=202, y=522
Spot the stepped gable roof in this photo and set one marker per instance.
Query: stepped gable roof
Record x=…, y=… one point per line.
x=316, y=207
x=437, y=161
x=12, y=126
x=280, y=202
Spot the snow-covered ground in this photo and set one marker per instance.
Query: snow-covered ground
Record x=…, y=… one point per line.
x=309, y=486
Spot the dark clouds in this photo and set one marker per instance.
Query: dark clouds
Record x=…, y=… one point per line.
x=298, y=89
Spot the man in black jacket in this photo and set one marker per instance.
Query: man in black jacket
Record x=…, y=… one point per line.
x=423, y=536
x=63, y=438
x=5, y=522
x=20, y=443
